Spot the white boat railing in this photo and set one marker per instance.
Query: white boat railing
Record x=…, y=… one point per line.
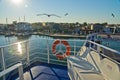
x=30, y=51
x=18, y=66
x=100, y=62
x=46, y=50
x=106, y=52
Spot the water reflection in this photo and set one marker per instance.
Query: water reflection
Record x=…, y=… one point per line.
x=19, y=48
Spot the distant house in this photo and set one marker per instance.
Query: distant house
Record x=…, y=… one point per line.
x=52, y=27
x=56, y=26
x=107, y=30
x=77, y=31
x=37, y=26
x=2, y=27
x=114, y=28
x=98, y=27
x=11, y=27
x=23, y=26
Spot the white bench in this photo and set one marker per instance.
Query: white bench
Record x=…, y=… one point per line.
x=92, y=67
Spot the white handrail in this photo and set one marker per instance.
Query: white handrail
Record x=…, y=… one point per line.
x=20, y=70
x=107, y=48
x=115, y=51
x=13, y=44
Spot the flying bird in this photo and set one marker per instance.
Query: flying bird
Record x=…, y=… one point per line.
x=112, y=15
x=49, y=15
x=66, y=14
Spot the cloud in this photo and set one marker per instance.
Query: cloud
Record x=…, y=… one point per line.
x=26, y=5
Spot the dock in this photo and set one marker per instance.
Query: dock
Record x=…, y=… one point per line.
x=67, y=36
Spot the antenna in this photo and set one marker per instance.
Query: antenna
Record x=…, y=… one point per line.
x=19, y=19
x=6, y=20
x=24, y=18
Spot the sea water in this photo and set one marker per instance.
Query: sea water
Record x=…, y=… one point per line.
x=112, y=43
x=38, y=44
x=37, y=48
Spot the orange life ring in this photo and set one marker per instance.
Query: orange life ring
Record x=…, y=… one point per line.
x=61, y=56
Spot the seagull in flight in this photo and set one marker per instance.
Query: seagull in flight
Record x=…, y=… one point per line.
x=66, y=14
x=49, y=15
x=112, y=15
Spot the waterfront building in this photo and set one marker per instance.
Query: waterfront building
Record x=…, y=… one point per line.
x=98, y=27
x=23, y=26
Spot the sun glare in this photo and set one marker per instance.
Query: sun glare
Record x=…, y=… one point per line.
x=19, y=48
x=17, y=2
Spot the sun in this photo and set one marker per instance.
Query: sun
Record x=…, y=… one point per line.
x=17, y=2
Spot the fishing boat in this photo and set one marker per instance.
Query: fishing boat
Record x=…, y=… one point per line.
x=58, y=59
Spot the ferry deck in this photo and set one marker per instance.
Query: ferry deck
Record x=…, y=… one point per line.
x=58, y=60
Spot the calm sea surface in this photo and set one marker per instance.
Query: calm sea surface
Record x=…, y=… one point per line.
x=38, y=47
x=114, y=44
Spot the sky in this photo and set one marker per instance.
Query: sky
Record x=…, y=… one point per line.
x=90, y=11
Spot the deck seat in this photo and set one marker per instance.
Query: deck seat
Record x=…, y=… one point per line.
x=88, y=75
x=92, y=58
x=83, y=51
x=95, y=59
x=91, y=67
x=94, y=68
x=92, y=76
x=79, y=63
x=110, y=69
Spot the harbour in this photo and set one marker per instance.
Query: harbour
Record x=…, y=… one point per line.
x=112, y=41
x=59, y=40
x=41, y=49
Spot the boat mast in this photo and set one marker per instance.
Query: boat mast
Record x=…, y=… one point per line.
x=6, y=21
x=114, y=30
x=24, y=18
x=19, y=19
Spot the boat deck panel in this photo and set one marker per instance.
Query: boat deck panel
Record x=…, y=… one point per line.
x=45, y=71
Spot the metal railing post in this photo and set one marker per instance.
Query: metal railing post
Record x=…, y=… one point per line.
x=48, y=52
x=60, y=46
x=74, y=47
x=89, y=44
x=3, y=60
x=98, y=48
x=27, y=52
x=20, y=71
